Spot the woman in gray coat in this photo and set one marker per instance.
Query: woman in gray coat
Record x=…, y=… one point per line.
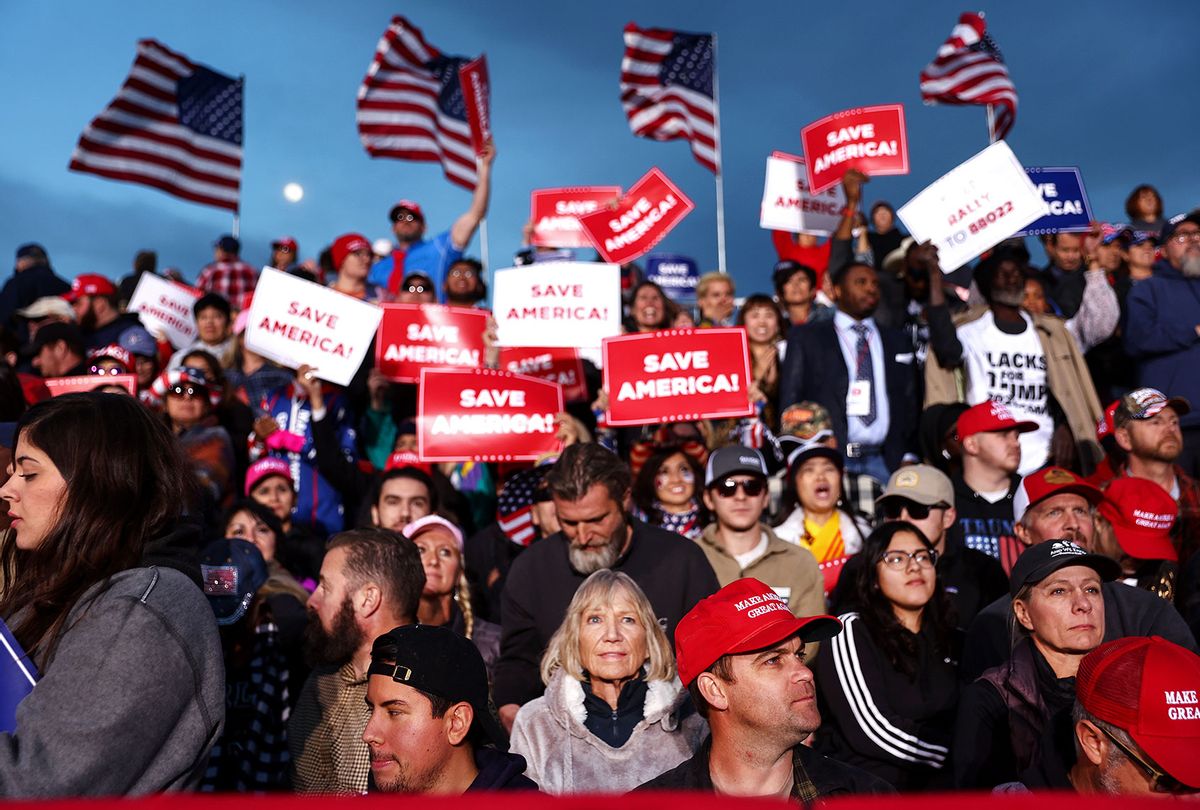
x=614, y=714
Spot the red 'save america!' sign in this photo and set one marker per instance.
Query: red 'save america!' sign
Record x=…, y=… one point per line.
x=870, y=139
x=557, y=364
x=416, y=336
x=486, y=415
x=640, y=221
x=555, y=213
x=677, y=375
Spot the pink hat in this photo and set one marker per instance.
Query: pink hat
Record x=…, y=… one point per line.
x=422, y=525
x=265, y=468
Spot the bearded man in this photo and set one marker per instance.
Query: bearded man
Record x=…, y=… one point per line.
x=371, y=581
x=590, y=489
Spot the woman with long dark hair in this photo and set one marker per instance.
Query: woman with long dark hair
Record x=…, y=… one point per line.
x=666, y=492
x=888, y=683
x=649, y=309
x=131, y=691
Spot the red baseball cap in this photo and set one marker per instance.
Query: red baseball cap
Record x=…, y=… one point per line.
x=346, y=244
x=1038, y=486
x=89, y=284
x=1106, y=425
x=285, y=242
x=987, y=417
x=406, y=205
x=407, y=458
x=742, y=617
x=1141, y=513
x=1148, y=687
x=113, y=351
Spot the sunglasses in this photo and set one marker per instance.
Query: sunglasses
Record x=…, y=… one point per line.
x=406, y=218
x=1160, y=782
x=728, y=487
x=187, y=391
x=415, y=288
x=894, y=508
x=899, y=560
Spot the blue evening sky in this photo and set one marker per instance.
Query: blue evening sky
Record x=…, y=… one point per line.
x=1108, y=86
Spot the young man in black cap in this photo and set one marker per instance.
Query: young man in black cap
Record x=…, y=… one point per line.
x=58, y=351
x=228, y=274
x=430, y=727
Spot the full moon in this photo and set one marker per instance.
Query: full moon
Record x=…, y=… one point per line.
x=293, y=192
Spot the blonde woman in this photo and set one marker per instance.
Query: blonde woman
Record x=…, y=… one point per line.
x=611, y=717
x=446, y=598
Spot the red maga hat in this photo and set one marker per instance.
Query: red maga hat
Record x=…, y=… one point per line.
x=1040, y=485
x=1141, y=513
x=742, y=617
x=346, y=244
x=987, y=417
x=89, y=284
x=1107, y=425
x=1150, y=688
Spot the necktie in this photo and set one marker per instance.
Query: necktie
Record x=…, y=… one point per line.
x=863, y=369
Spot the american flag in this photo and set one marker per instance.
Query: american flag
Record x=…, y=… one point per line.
x=174, y=125
x=410, y=105
x=969, y=69
x=515, y=505
x=667, y=89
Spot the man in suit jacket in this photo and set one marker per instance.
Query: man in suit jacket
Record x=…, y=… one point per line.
x=866, y=376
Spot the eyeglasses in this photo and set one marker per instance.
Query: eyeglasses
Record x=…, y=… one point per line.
x=462, y=274
x=894, y=508
x=114, y=371
x=1187, y=236
x=899, y=560
x=1160, y=782
x=186, y=391
x=405, y=218
x=283, y=249
x=728, y=487
x=415, y=288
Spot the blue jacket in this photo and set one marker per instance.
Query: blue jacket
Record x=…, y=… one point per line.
x=1160, y=334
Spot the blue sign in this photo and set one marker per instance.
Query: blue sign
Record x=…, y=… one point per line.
x=18, y=676
x=677, y=275
x=1062, y=189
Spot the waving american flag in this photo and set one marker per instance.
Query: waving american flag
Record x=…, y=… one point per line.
x=667, y=89
x=968, y=69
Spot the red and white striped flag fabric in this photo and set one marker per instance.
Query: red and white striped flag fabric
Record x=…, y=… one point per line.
x=411, y=107
x=969, y=69
x=174, y=125
x=667, y=89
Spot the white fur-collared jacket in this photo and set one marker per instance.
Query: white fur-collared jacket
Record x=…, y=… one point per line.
x=564, y=757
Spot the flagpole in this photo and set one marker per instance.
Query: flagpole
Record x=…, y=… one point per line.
x=719, y=179
x=237, y=214
x=991, y=121
x=483, y=240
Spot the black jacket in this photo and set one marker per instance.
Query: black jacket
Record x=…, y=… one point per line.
x=27, y=286
x=831, y=778
x=673, y=572
x=500, y=770
x=1128, y=611
x=814, y=370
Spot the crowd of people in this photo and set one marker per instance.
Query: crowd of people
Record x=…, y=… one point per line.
x=953, y=548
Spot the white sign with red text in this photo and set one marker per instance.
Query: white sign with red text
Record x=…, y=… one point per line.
x=575, y=304
x=974, y=207
x=165, y=307
x=296, y=322
x=787, y=204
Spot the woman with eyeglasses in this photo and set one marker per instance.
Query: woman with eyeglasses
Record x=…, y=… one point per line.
x=1018, y=715
x=887, y=685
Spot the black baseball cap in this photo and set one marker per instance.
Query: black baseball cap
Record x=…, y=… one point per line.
x=1042, y=559
x=438, y=661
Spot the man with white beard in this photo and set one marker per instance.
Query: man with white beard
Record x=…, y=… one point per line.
x=1162, y=332
x=590, y=488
